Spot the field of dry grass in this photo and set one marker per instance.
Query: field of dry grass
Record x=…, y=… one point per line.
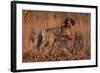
x=35, y=22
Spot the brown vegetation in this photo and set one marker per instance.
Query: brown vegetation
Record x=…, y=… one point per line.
x=35, y=22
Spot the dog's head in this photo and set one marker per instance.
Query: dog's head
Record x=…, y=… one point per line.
x=68, y=22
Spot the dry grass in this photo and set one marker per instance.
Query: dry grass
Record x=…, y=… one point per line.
x=37, y=21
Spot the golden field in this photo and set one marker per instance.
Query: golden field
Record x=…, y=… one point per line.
x=35, y=22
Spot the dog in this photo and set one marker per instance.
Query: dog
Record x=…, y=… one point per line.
x=48, y=37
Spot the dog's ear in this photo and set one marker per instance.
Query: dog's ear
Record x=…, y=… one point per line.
x=66, y=22
x=72, y=21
